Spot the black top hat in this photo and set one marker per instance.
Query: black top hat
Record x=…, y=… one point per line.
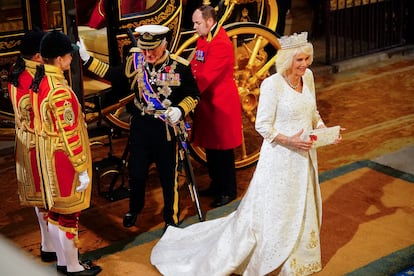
x=56, y=44
x=30, y=44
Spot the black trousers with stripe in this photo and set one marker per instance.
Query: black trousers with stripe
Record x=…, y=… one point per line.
x=148, y=144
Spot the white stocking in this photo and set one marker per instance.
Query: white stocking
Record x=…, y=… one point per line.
x=54, y=235
x=71, y=253
x=47, y=243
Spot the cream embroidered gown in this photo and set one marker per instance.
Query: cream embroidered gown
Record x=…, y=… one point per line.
x=276, y=226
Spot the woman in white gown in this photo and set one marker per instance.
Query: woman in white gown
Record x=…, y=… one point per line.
x=276, y=226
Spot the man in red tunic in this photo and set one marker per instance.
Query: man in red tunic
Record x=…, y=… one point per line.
x=63, y=152
x=217, y=120
x=27, y=175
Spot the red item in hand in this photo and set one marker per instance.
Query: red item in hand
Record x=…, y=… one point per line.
x=313, y=137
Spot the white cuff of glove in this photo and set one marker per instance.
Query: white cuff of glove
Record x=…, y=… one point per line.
x=83, y=181
x=83, y=53
x=174, y=114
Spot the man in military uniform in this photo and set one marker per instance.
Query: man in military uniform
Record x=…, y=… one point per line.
x=165, y=92
x=28, y=180
x=63, y=152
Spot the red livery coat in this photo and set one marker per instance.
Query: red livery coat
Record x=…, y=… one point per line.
x=27, y=173
x=62, y=143
x=217, y=122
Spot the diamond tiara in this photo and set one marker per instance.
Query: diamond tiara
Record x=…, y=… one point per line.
x=295, y=40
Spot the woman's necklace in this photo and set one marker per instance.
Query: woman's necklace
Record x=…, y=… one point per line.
x=291, y=85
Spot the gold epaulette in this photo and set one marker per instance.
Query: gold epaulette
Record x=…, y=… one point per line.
x=179, y=59
x=188, y=104
x=98, y=67
x=130, y=70
x=135, y=50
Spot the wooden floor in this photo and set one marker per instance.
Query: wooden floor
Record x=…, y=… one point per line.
x=375, y=103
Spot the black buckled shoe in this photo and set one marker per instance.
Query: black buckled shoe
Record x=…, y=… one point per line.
x=86, y=263
x=222, y=200
x=88, y=271
x=62, y=269
x=47, y=256
x=130, y=219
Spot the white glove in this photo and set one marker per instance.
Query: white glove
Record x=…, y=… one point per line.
x=83, y=180
x=173, y=114
x=82, y=50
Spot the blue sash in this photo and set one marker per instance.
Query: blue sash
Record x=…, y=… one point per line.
x=145, y=88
